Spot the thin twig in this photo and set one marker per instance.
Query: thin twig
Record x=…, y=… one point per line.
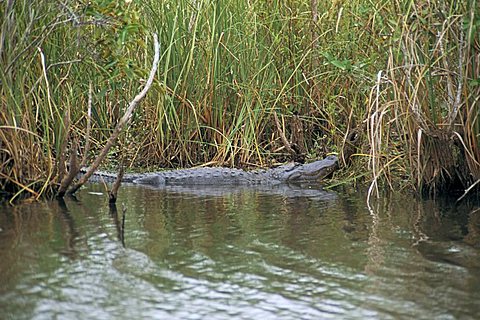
x=63, y=147
x=47, y=83
x=45, y=33
x=375, y=137
x=314, y=9
x=468, y=190
x=193, y=17
x=282, y=134
x=49, y=98
x=89, y=126
x=339, y=17
x=414, y=105
x=447, y=67
x=34, y=86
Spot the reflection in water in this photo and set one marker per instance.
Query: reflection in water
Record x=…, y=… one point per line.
x=376, y=244
x=473, y=226
x=119, y=225
x=70, y=233
x=282, y=253
x=449, y=233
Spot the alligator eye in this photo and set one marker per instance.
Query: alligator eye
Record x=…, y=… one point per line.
x=295, y=166
x=294, y=176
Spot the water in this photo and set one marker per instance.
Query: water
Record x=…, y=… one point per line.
x=239, y=254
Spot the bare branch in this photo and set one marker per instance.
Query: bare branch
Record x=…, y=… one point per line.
x=112, y=196
x=123, y=121
x=468, y=190
x=72, y=172
x=287, y=144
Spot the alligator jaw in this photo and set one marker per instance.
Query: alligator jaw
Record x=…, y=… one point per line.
x=314, y=171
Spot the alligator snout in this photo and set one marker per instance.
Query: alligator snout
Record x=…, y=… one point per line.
x=314, y=171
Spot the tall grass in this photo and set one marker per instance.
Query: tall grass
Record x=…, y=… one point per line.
x=395, y=73
x=423, y=111
x=230, y=65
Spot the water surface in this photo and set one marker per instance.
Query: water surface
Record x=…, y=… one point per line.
x=221, y=253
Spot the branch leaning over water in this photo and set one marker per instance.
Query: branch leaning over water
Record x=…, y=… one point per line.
x=123, y=121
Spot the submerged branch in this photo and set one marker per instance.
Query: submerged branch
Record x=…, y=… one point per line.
x=112, y=196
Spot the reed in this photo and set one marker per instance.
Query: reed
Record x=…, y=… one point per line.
x=420, y=110
x=242, y=83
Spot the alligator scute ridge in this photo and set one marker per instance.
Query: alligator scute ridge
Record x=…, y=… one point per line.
x=289, y=173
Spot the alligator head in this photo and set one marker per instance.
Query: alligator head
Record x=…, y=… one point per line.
x=309, y=172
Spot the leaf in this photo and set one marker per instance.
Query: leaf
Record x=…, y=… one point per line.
x=475, y=82
x=341, y=64
x=344, y=64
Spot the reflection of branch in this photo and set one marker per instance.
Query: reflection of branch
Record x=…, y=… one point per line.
x=121, y=124
x=124, y=210
x=120, y=227
x=71, y=230
x=417, y=227
x=473, y=226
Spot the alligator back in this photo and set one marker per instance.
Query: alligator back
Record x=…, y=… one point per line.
x=197, y=176
x=205, y=176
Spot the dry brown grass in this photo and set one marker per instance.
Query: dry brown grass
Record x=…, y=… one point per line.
x=423, y=111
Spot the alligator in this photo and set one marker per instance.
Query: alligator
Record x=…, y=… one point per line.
x=288, y=173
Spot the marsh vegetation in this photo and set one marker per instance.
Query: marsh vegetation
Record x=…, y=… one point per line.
x=391, y=86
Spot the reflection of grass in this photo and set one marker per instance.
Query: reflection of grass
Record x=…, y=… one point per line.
x=226, y=68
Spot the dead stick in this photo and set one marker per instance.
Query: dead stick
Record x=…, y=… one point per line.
x=63, y=146
x=112, y=196
x=72, y=172
x=282, y=135
x=123, y=121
